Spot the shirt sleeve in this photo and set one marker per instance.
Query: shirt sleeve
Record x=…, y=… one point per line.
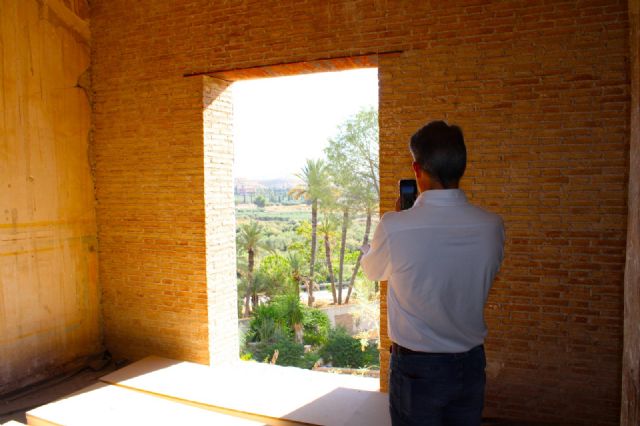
x=376, y=262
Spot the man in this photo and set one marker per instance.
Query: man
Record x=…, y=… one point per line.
x=440, y=258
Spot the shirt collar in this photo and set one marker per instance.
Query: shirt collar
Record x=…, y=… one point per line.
x=441, y=197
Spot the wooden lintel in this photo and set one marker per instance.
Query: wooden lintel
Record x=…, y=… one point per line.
x=368, y=60
x=630, y=407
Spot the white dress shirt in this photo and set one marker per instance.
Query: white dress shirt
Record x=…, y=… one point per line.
x=440, y=258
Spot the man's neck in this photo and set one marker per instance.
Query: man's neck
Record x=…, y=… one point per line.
x=434, y=185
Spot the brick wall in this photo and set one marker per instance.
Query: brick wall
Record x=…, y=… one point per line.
x=541, y=91
x=152, y=210
x=220, y=220
x=554, y=313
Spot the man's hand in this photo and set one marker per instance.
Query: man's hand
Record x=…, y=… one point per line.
x=398, y=204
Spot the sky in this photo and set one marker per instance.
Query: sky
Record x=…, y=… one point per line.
x=280, y=122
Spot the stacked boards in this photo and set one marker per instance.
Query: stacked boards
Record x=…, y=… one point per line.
x=162, y=391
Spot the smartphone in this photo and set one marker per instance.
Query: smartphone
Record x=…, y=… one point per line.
x=408, y=193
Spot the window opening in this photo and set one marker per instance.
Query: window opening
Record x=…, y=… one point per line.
x=306, y=189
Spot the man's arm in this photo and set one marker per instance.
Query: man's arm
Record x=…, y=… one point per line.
x=376, y=261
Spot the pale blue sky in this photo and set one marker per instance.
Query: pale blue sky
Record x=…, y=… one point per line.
x=280, y=122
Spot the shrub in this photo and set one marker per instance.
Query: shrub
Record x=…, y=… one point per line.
x=316, y=326
x=342, y=350
x=371, y=356
x=267, y=323
x=279, y=316
x=290, y=353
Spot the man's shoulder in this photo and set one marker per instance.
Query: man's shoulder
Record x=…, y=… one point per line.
x=398, y=221
x=420, y=216
x=488, y=220
x=492, y=223
x=486, y=215
x=391, y=219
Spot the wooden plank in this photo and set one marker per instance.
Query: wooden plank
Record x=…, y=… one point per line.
x=373, y=411
x=293, y=394
x=366, y=60
x=630, y=407
x=48, y=236
x=102, y=404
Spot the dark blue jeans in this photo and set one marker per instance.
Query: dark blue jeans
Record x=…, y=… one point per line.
x=437, y=389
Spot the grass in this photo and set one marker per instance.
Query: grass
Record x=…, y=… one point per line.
x=268, y=216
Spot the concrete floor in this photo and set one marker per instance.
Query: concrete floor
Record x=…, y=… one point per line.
x=14, y=407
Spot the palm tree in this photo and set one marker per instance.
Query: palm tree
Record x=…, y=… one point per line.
x=250, y=240
x=327, y=227
x=295, y=260
x=314, y=187
x=348, y=198
x=369, y=206
x=296, y=316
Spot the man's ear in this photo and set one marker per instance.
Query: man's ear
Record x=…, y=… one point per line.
x=416, y=169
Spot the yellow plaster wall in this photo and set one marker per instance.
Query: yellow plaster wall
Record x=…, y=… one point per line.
x=49, y=301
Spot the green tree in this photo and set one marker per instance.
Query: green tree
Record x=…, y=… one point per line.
x=296, y=316
x=272, y=278
x=354, y=167
x=369, y=206
x=249, y=239
x=315, y=185
x=327, y=229
x=296, y=263
x=301, y=246
x=260, y=201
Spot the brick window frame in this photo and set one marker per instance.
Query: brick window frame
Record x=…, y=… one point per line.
x=217, y=128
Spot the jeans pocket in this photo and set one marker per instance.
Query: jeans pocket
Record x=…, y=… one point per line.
x=419, y=392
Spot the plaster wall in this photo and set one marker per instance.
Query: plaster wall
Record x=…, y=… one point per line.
x=49, y=315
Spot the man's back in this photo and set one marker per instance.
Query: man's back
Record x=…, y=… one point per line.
x=440, y=258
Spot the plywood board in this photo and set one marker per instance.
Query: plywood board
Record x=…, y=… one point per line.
x=102, y=405
x=49, y=295
x=273, y=391
x=373, y=411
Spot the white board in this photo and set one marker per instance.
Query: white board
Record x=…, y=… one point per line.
x=105, y=405
x=276, y=392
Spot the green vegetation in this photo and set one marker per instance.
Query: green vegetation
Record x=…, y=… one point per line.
x=289, y=352
x=282, y=325
x=309, y=237
x=260, y=201
x=285, y=216
x=316, y=327
x=342, y=350
x=314, y=189
x=280, y=317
